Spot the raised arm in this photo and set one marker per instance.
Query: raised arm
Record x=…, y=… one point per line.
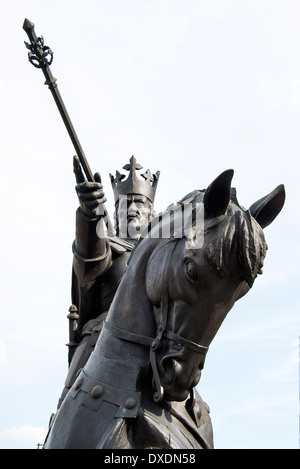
x=92, y=254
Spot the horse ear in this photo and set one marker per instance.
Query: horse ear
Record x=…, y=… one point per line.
x=217, y=195
x=266, y=209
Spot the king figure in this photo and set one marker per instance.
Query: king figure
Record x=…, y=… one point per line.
x=99, y=260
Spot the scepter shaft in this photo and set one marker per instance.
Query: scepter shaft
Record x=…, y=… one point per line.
x=41, y=56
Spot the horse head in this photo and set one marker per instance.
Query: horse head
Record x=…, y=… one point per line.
x=194, y=277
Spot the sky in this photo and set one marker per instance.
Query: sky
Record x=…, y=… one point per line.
x=190, y=88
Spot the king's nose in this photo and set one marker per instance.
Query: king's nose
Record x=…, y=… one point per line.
x=132, y=210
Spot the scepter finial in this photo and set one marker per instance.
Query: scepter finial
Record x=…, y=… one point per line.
x=40, y=56
x=27, y=25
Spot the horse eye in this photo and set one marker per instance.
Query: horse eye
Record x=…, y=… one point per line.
x=177, y=346
x=191, y=271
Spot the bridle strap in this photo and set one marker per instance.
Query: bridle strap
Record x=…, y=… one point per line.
x=150, y=341
x=187, y=343
x=126, y=335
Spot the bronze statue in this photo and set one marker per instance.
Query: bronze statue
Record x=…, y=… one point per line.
x=137, y=388
x=148, y=300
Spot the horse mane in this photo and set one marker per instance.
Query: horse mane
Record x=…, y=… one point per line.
x=237, y=236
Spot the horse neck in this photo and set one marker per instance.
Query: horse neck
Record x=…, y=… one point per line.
x=131, y=308
x=114, y=358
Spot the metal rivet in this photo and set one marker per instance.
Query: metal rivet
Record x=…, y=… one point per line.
x=130, y=403
x=78, y=383
x=97, y=391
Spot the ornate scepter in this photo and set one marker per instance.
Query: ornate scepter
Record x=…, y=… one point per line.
x=41, y=56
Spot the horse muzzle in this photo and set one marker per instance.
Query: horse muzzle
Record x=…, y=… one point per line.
x=178, y=373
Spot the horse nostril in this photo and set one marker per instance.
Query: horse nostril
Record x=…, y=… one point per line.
x=167, y=368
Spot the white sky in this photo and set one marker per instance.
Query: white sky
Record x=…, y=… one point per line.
x=191, y=88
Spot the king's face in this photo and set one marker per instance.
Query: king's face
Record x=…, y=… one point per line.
x=134, y=213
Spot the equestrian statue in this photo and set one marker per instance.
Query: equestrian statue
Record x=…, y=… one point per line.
x=148, y=296
x=132, y=377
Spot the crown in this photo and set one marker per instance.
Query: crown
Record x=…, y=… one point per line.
x=133, y=184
